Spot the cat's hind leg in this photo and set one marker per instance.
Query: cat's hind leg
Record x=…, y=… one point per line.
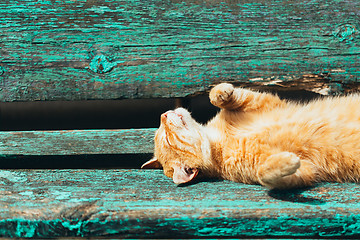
x=227, y=97
x=285, y=170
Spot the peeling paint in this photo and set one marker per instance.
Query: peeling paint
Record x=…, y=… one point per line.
x=8, y=175
x=345, y=32
x=100, y=64
x=2, y=71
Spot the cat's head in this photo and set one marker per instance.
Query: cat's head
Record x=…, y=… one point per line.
x=182, y=147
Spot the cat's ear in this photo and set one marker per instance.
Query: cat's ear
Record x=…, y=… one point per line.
x=152, y=163
x=183, y=174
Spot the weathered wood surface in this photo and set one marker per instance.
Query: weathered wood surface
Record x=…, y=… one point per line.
x=73, y=142
x=146, y=204
x=109, y=49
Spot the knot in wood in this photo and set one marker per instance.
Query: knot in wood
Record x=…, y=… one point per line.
x=2, y=70
x=345, y=32
x=100, y=64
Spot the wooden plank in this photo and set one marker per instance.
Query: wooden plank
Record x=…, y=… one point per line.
x=73, y=142
x=146, y=204
x=110, y=49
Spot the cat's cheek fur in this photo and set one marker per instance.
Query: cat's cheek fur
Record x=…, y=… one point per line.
x=206, y=151
x=210, y=136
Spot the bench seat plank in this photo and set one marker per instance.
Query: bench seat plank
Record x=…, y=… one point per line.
x=146, y=204
x=73, y=142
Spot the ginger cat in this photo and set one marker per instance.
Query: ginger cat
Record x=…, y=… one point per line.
x=257, y=138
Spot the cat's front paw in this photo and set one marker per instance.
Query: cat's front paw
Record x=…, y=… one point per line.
x=221, y=94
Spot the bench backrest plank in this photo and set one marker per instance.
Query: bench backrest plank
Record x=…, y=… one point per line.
x=80, y=50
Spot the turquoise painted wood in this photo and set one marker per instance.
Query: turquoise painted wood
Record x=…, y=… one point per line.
x=76, y=142
x=111, y=49
x=146, y=204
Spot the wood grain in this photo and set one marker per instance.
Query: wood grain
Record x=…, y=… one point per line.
x=111, y=49
x=74, y=142
x=146, y=204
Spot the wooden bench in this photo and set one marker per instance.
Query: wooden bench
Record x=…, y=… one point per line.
x=110, y=50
